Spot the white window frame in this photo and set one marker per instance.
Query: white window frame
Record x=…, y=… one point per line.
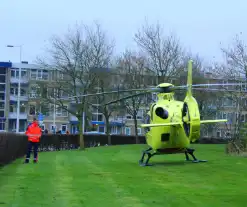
x=39, y=74
x=15, y=71
x=126, y=130
x=114, y=130
x=217, y=133
x=2, y=108
x=65, y=126
x=139, y=131
x=98, y=114
x=2, y=122
x=42, y=127
x=53, y=126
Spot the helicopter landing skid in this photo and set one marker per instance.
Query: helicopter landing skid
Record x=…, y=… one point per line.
x=190, y=152
x=149, y=154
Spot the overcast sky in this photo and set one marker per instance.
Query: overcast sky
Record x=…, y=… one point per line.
x=200, y=25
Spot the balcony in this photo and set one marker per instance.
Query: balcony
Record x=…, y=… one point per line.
x=22, y=98
x=13, y=115
x=24, y=79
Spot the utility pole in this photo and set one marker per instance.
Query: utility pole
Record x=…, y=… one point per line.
x=19, y=90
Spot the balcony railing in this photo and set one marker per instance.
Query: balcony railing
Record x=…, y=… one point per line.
x=22, y=98
x=13, y=115
x=24, y=79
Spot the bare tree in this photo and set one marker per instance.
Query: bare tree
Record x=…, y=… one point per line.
x=234, y=69
x=133, y=70
x=106, y=81
x=165, y=53
x=73, y=59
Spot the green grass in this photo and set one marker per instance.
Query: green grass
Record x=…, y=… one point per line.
x=111, y=176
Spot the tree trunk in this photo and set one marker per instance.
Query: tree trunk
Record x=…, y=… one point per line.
x=108, y=130
x=82, y=145
x=136, y=131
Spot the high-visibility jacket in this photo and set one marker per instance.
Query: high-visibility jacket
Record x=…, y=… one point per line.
x=34, y=132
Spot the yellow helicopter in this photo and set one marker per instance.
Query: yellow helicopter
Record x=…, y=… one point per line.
x=173, y=124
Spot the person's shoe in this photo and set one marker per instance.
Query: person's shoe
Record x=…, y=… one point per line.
x=26, y=162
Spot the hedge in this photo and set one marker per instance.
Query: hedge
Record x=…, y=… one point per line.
x=13, y=146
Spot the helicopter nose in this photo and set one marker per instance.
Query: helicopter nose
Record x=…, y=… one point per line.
x=162, y=113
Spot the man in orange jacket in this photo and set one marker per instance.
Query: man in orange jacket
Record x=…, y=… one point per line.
x=34, y=133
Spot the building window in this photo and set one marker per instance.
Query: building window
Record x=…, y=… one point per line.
x=15, y=73
x=2, y=125
x=39, y=74
x=14, y=91
x=53, y=128
x=64, y=128
x=61, y=111
x=127, y=131
x=242, y=118
x=22, y=107
x=45, y=109
x=12, y=108
x=97, y=117
x=42, y=126
x=34, y=91
x=2, y=105
x=1, y=113
x=128, y=117
x=102, y=129
x=218, y=133
x=32, y=109
x=139, y=131
x=2, y=78
x=2, y=88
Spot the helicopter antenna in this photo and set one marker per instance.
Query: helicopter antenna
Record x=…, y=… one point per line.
x=189, y=79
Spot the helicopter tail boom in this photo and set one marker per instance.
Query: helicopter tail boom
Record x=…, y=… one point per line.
x=164, y=124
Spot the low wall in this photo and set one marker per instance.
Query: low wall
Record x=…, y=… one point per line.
x=13, y=146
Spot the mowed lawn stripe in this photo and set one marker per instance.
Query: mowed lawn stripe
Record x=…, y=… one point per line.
x=27, y=184
x=95, y=184
x=175, y=182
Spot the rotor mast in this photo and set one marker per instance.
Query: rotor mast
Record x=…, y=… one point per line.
x=189, y=79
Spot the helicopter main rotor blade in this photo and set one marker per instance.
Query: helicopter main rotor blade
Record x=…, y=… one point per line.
x=207, y=84
x=217, y=84
x=126, y=97
x=147, y=90
x=218, y=90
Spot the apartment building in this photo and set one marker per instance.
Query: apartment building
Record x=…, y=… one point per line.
x=29, y=107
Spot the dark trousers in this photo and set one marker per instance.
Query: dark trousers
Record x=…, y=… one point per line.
x=35, y=146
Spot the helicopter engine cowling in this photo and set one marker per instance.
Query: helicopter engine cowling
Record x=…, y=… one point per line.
x=161, y=112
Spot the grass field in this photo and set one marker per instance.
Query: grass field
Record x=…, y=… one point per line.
x=111, y=176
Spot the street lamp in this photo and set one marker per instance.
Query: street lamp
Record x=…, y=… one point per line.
x=19, y=90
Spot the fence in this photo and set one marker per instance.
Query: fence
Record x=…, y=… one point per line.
x=13, y=146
